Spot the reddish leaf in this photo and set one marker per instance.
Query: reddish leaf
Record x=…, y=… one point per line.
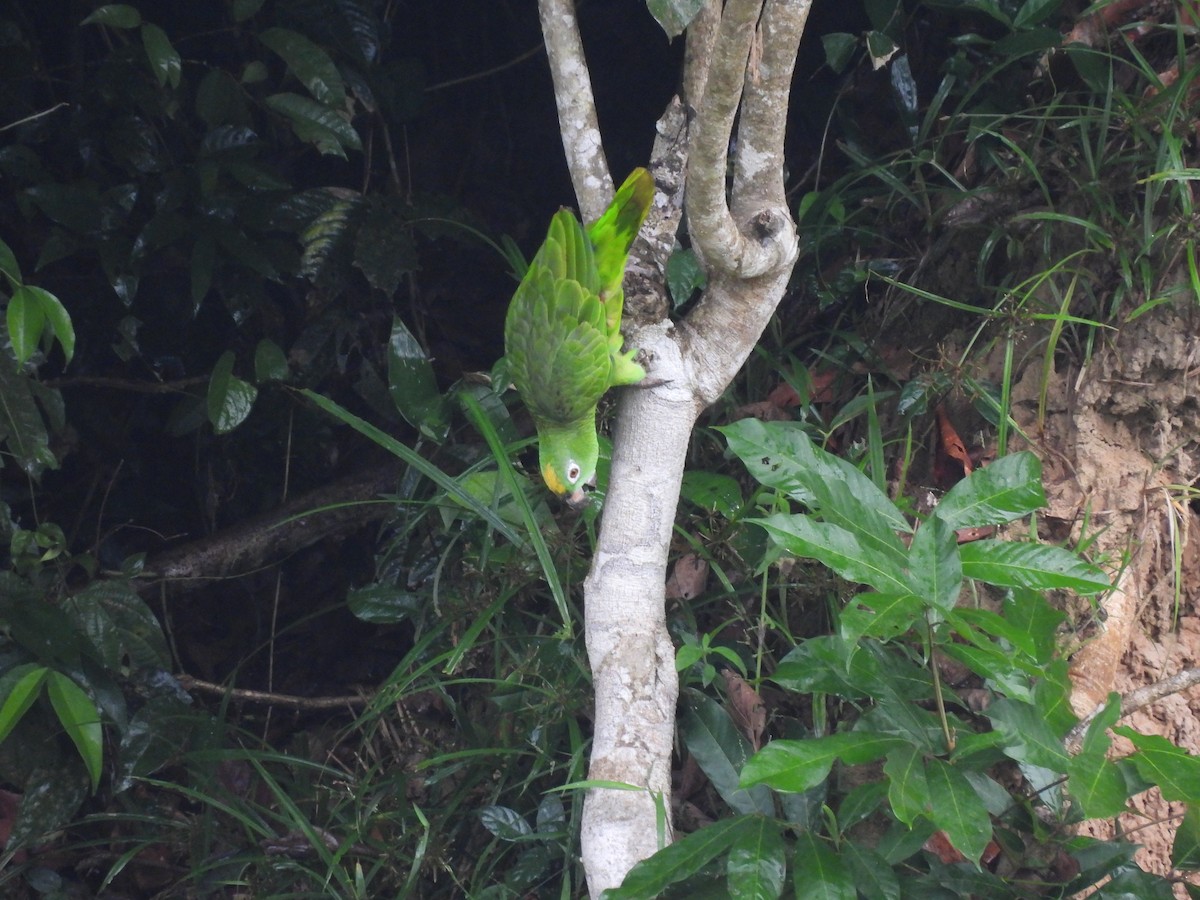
x=688, y=579
x=951, y=462
x=939, y=845
x=746, y=708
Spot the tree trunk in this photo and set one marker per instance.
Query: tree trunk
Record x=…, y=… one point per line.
x=739, y=67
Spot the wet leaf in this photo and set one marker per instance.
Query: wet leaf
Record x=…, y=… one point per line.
x=229, y=398
x=164, y=59
x=309, y=63
x=820, y=874
x=757, y=862
x=114, y=15
x=708, y=733
x=80, y=720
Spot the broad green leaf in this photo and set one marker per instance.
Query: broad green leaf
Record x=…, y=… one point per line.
x=53, y=794
x=57, y=317
x=970, y=622
x=673, y=16
x=1032, y=12
x=1097, y=785
x=908, y=788
x=80, y=719
x=118, y=624
x=721, y=752
x=1027, y=736
x=836, y=548
x=22, y=426
x=327, y=130
x=872, y=875
x=713, y=492
x=957, y=809
x=20, y=698
x=506, y=824
x=270, y=363
x=1185, y=851
x=1030, y=614
x=934, y=570
x=685, y=275
x=757, y=863
x=839, y=49
x=229, y=398
x=164, y=59
x=309, y=63
x=8, y=264
x=412, y=385
x=1173, y=769
x=681, y=859
x=781, y=455
x=115, y=15
x=25, y=322
x=1036, y=566
x=820, y=874
x=1008, y=489
x=860, y=516
x=879, y=616
x=800, y=765
x=383, y=604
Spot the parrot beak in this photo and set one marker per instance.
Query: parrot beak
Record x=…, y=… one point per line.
x=577, y=499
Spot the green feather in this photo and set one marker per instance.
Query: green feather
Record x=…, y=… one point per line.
x=562, y=335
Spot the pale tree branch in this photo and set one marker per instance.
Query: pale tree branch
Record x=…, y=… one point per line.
x=1135, y=700
x=576, y=107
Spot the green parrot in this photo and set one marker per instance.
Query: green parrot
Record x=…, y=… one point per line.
x=562, y=336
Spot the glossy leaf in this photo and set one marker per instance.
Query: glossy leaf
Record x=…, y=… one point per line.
x=1035, y=566
x=800, y=765
x=820, y=874
x=309, y=63
x=53, y=795
x=957, y=809
x=270, y=363
x=1032, y=616
x=25, y=323
x=685, y=275
x=934, y=568
x=1185, y=851
x=721, y=752
x=1011, y=487
x=757, y=863
x=681, y=859
x=229, y=398
x=1027, y=737
x=316, y=124
x=1097, y=785
x=80, y=720
x=1173, y=769
x=22, y=427
x=56, y=316
x=118, y=624
x=22, y=696
x=506, y=824
x=8, y=265
x=674, y=16
x=908, y=788
x=164, y=58
x=872, y=875
x=712, y=491
x=804, y=537
x=413, y=386
x=879, y=616
x=383, y=604
x=114, y=15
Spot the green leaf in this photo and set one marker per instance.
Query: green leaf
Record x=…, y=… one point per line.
x=1033, y=12
x=682, y=859
x=308, y=62
x=833, y=546
x=118, y=624
x=1185, y=851
x=270, y=363
x=1173, y=769
x=164, y=60
x=934, y=570
x=229, y=398
x=820, y=873
x=246, y=9
x=721, y=752
x=80, y=719
x=52, y=795
x=21, y=697
x=673, y=16
x=879, y=616
x=115, y=15
x=25, y=322
x=1098, y=785
x=327, y=130
x=1036, y=566
x=413, y=386
x=957, y=809
x=1027, y=736
x=839, y=48
x=506, y=824
x=8, y=264
x=908, y=788
x=685, y=275
x=58, y=318
x=384, y=248
x=757, y=864
x=872, y=875
x=1029, y=613
x=1011, y=487
x=799, y=765
x=713, y=492
x=383, y=604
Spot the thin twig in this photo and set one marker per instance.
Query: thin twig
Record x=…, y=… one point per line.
x=1135, y=700
x=270, y=698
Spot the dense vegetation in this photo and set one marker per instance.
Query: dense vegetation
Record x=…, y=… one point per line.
x=251, y=651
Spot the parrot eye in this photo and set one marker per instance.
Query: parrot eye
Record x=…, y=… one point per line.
x=573, y=472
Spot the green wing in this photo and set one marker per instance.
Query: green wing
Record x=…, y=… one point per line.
x=613, y=233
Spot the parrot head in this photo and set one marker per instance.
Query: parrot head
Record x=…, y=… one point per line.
x=567, y=457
